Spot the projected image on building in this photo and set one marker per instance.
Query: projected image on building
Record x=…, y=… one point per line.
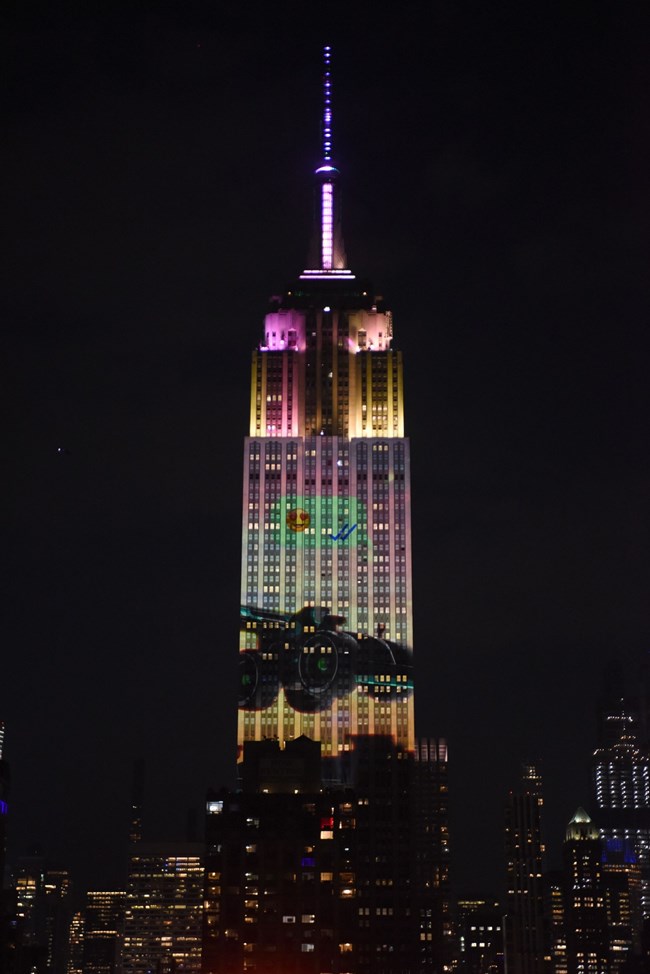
x=326, y=619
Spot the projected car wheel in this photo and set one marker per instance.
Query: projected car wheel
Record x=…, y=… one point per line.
x=318, y=663
x=258, y=680
x=248, y=679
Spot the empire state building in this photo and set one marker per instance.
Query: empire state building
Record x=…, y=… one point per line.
x=326, y=608
x=332, y=855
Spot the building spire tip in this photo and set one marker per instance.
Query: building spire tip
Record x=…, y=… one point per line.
x=327, y=109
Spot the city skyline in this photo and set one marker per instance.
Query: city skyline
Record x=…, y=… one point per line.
x=496, y=210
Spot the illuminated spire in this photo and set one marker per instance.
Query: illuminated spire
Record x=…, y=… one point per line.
x=327, y=107
x=329, y=260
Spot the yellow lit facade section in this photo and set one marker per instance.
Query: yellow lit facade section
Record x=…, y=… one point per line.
x=327, y=373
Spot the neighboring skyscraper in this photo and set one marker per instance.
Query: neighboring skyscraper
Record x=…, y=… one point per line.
x=4, y=804
x=430, y=833
x=585, y=914
x=286, y=852
x=75, y=963
x=554, y=911
x=526, y=947
x=621, y=775
x=480, y=935
x=326, y=532
x=622, y=887
x=137, y=801
x=103, y=930
x=163, y=912
x=7, y=900
x=43, y=915
x=282, y=887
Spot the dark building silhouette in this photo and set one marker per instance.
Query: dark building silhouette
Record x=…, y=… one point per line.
x=7, y=898
x=526, y=945
x=320, y=880
x=5, y=780
x=430, y=828
x=281, y=888
x=103, y=931
x=42, y=915
x=479, y=931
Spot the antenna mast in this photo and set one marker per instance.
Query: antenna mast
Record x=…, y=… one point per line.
x=327, y=107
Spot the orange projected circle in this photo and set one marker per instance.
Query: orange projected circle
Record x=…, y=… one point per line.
x=298, y=520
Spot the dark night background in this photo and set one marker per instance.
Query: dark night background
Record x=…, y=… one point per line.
x=157, y=190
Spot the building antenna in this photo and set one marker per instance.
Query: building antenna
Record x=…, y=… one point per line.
x=328, y=250
x=327, y=106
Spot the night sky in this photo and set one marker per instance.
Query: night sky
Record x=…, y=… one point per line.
x=157, y=190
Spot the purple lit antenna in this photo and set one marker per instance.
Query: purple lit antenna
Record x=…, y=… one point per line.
x=332, y=254
x=327, y=190
x=327, y=114
x=327, y=107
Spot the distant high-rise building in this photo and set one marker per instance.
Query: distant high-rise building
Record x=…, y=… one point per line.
x=163, y=909
x=103, y=931
x=7, y=906
x=43, y=915
x=4, y=804
x=554, y=913
x=137, y=799
x=585, y=912
x=479, y=930
x=430, y=836
x=622, y=888
x=621, y=775
x=525, y=934
x=75, y=962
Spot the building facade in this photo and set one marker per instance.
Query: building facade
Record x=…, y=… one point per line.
x=585, y=913
x=622, y=884
x=163, y=913
x=432, y=853
x=525, y=934
x=621, y=777
x=103, y=931
x=479, y=926
x=42, y=917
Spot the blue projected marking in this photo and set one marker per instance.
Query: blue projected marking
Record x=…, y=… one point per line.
x=343, y=535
